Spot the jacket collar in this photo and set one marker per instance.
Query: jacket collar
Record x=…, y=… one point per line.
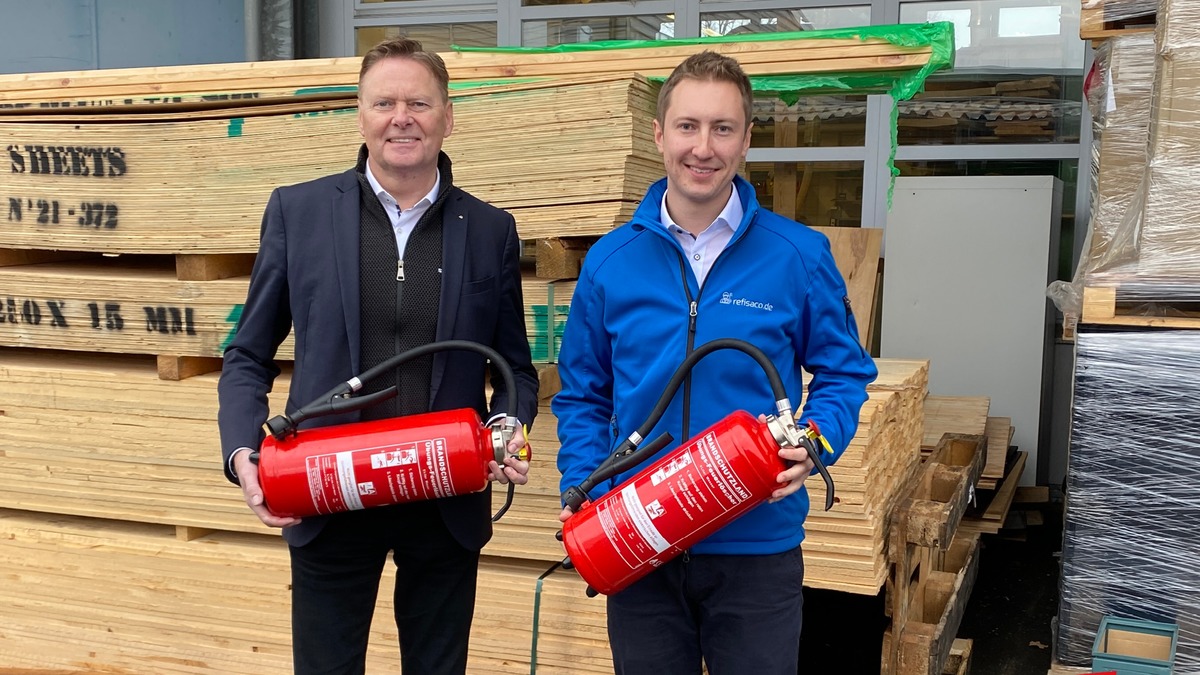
x=648, y=214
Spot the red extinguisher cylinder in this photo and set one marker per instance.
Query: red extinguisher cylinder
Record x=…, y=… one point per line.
x=669, y=506
x=365, y=464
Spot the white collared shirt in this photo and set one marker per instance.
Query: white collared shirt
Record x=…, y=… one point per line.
x=702, y=249
x=403, y=222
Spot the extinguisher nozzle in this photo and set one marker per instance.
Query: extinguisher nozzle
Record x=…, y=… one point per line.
x=567, y=564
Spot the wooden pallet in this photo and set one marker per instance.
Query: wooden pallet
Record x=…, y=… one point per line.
x=1100, y=19
x=1105, y=306
x=933, y=566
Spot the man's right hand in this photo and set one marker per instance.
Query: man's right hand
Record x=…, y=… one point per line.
x=566, y=513
x=247, y=473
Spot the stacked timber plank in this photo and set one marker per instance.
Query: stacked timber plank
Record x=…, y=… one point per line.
x=845, y=548
x=547, y=302
x=105, y=596
x=118, y=186
x=205, y=87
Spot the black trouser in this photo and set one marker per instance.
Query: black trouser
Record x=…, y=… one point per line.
x=740, y=614
x=335, y=580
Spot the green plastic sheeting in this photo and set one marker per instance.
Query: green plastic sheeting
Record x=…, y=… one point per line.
x=901, y=84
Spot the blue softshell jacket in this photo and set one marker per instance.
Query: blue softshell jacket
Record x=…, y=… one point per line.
x=638, y=311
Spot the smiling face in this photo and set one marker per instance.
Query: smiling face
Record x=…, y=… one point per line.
x=403, y=115
x=703, y=137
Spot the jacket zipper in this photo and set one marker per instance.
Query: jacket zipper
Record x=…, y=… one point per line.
x=691, y=344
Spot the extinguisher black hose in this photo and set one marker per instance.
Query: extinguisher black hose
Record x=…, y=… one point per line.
x=339, y=399
x=628, y=453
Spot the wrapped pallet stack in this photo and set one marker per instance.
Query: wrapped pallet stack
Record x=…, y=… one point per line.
x=1125, y=555
x=133, y=201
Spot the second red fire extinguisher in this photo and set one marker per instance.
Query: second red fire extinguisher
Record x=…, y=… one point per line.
x=306, y=472
x=689, y=493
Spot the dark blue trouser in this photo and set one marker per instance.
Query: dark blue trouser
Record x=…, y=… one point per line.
x=740, y=614
x=335, y=580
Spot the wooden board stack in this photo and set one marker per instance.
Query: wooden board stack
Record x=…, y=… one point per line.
x=192, y=88
x=117, y=187
x=846, y=548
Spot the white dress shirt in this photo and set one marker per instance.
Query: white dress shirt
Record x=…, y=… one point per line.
x=702, y=249
x=403, y=221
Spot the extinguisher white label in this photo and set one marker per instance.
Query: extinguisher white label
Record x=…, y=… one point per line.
x=346, y=478
x=641, y=519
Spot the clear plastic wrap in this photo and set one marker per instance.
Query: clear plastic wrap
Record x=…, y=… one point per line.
x=1118, y=95
x=1130, y=540
x=1170, y=246
x=1123, y=12
x=1143, y=238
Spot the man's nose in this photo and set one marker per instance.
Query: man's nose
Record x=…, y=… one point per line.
x=703, y=147
x=401, y=116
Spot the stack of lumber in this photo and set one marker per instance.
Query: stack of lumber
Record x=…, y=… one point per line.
x=104, y=437
x=846, y=548
x=112, y=186
x=547, y=302
x=204, y=87
x=105, y=596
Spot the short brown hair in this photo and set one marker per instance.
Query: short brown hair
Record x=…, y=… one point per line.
x=707, y=66
x=407, y=48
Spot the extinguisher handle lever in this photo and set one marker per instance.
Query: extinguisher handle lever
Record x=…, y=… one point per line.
x=814, y=453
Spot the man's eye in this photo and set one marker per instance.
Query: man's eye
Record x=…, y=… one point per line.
x=383, y=105
x=419, y=105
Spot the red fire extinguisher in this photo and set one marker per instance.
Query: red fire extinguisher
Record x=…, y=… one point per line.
x=689, y=493
x=366, y=464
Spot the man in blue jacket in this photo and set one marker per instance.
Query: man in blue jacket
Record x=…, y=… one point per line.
x=699, y=261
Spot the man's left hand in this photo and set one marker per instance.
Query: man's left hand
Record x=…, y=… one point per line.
x=791, y=480
x=514, y=469
x=800, y=467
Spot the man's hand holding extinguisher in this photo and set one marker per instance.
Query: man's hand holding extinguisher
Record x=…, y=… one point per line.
x=515, y=469
x=247, y=474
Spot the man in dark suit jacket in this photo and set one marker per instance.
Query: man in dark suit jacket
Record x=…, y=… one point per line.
x=364, y=265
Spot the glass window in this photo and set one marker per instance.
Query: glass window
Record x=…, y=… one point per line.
x=437, y=37
x=1013, y=108
x=1028, y=35
x=1065, y=170
x=811, y=122
x=814, y=193
x=551, y=32
x=783, y=20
